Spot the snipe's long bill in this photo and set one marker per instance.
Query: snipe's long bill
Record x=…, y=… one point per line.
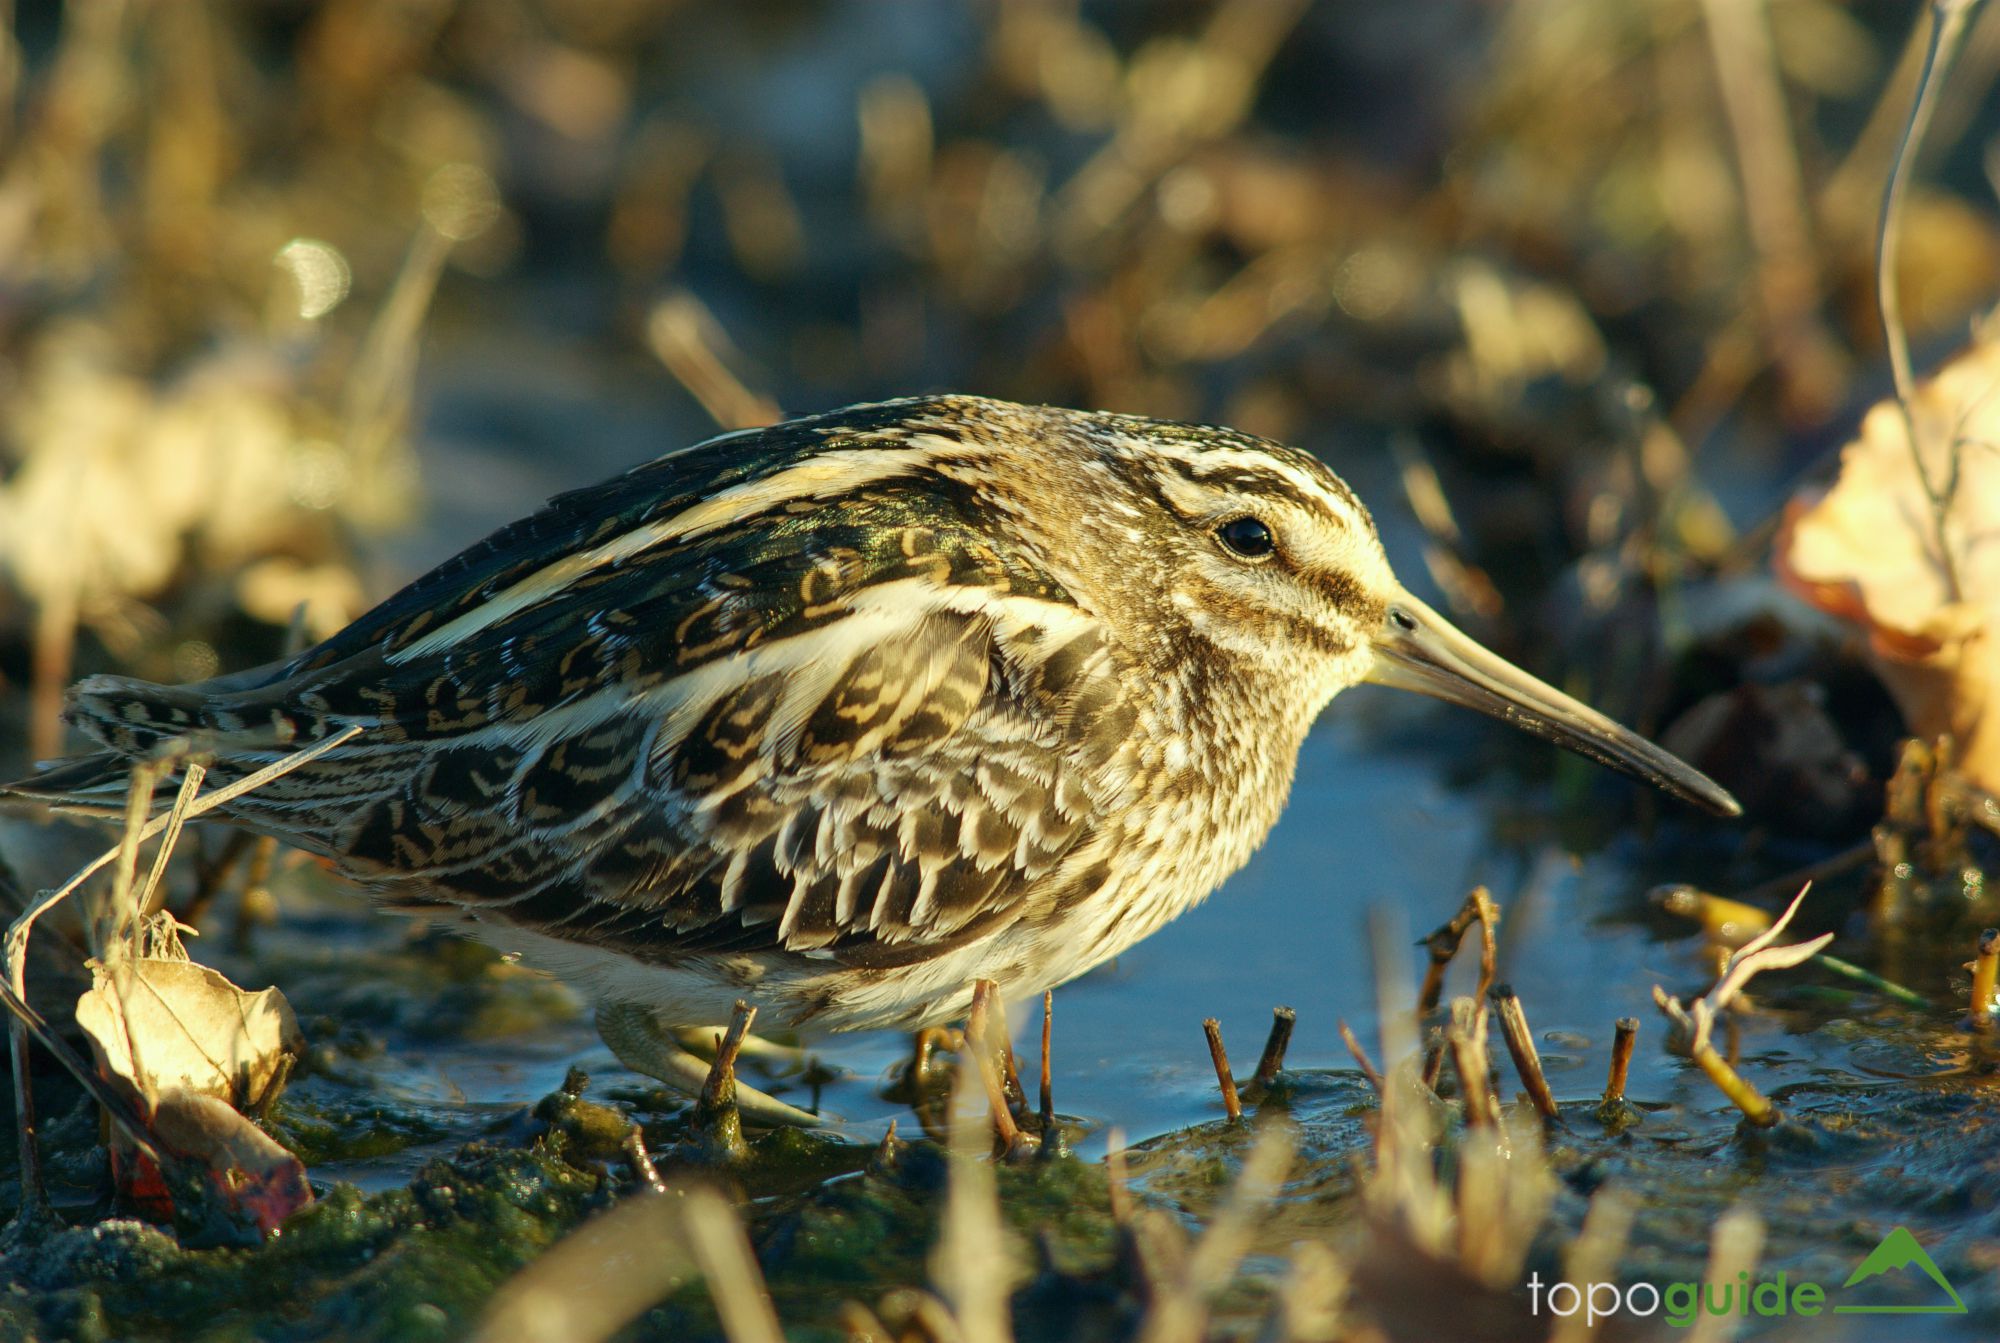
x=842, y=715
x=1425, y=653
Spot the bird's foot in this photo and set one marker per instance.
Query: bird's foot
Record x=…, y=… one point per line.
x=643, y=1045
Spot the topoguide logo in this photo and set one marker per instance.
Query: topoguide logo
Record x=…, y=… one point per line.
x=1682, y=1303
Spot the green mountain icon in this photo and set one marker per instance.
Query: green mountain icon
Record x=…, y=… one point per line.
x=1899, y=1250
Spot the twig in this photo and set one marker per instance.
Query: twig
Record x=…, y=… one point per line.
x=1985, y=977
x=1443, y=944
x=1283, y=1019
x=1047, y=1110
x=720, y=1089
x=192, y=774
x=1361, y=1059
x=642, y=1161
x=1698, y=1021
x=1521, y=1046
x=1232, y=1104
x=1621, y=1060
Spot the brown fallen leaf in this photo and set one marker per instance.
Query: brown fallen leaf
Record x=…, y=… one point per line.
x=192, y=1052
x=1923, y=587
x=158, y=1025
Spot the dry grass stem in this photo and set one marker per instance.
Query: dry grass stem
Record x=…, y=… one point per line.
x=1774, y=196
x=1521, y=1047
x=1283, y=1019
x=1733, y=1251
x=193, y=772
x=1117, y=1178
x=972, y=1264
x=736, y=1284
x=1697, y=1023
x=1361, y=1059
x=1467, y=1038
x=1949, y=20
x=1232, y=1103
x=610, y=1270
x=1593, y=1256
x=1180, y=1313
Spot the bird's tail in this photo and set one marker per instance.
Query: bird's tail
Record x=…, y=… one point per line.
x=131, y=719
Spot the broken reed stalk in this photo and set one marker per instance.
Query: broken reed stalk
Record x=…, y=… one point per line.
x=1231, y=1102
x=978, y=1035
x=1985, y=980
x=1521, y=1047
x=717, y=1120
x=1283, y=1019
x=1443, y=944
x=1047, y=1109
x=1621, y=1060
x=1361, y=1059
x=643, y=1169
x=1475, y=1067
x=720, y=1088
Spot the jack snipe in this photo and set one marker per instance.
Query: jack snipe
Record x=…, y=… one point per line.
x=844, y=714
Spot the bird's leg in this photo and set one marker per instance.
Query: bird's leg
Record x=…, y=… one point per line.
x=700, y=1040
x=921, y=1083
x=927, y=1043
x=643, y=1045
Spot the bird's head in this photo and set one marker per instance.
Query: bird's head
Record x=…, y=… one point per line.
x=1271, y=561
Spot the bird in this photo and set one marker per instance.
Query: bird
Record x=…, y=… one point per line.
x=843, y=714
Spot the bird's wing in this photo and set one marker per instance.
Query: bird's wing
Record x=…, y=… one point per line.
x=815, y=706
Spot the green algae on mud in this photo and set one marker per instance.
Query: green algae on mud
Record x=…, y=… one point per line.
x=421, y=1262
x=410, y=1263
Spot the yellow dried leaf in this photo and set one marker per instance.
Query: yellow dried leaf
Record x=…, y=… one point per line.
x=1870, y=550
x=160, y=1025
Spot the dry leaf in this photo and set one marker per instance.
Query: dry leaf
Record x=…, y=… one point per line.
x=161, y=1025
x=1868, y=550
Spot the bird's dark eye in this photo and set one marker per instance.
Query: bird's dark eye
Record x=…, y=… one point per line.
x=1246, y=537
